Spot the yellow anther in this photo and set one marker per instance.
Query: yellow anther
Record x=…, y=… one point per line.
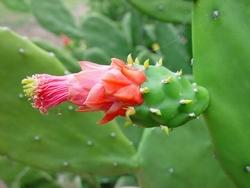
x=155, y=111
x=185, y=101
x=159, y=63
x=155, y=46
x=167, y=80
x=146, y=64
x=130, y=60
x=29, y=86
x=144, y=90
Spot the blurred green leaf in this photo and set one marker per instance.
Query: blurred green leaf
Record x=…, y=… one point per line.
x=55, y=17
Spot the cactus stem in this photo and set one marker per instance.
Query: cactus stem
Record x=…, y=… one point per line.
x=165, y=129
x=167, y=81
x=144, y=90
x=159, y=63
x=130, y=60
x=185, y=101
x=146, y=64
x=192, y=114
x=155, y=111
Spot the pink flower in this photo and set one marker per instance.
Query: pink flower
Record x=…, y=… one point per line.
x=111, y=89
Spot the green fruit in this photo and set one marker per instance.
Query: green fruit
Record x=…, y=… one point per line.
x=169, y=99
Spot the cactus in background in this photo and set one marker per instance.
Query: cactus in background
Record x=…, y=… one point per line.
x=69, y=62
x=221, y=63
x=17, y=175
x=17, y=5
x=54, y=16
x=113, y=43
x=62, y=140
x=166, y=10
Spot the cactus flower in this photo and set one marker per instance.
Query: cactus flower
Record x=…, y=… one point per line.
x=148, y=95
x=111, y=89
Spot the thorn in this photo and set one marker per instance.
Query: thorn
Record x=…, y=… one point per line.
x=159, y=63
x=155, y=46
x=191, y=114
x=21, y=51
x=146, y=64
x=51, y=54
x=137, y=62
x=130, y=60
x=165, y=129
x=155, y=111
x=130, y=111
x=144, y=90
x=167, y=81
x=178, y=73
x=195, y=90
x=185, y=101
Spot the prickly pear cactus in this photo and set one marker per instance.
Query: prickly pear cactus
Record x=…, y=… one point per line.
x=166, y=10
x=182, y=159
x=221, y=63
x=170, y=99
x=113, y=43
x=63, y=140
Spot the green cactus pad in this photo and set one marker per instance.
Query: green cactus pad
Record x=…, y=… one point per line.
x=170, y=100
x=63, y=140
x=182, y=159
x=166, y=10
x=222, y=64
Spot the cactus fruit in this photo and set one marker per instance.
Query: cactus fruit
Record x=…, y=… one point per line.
x=170, y=99
x=148, y=95
x=221, y=63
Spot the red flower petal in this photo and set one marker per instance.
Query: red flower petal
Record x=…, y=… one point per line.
x=115, y=110
x=129, y=94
